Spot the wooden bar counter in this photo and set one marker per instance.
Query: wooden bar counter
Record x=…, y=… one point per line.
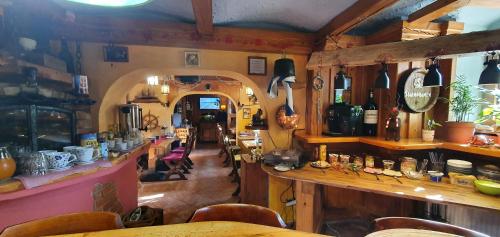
x=308, y=194
x=200, y=229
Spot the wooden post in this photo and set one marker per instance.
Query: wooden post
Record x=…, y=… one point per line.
x=309, y=206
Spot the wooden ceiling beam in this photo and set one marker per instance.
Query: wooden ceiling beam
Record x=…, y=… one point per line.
x=436, y=10
x=352, y=16
x=202, y=10
x=160, y=33
x=405, y=51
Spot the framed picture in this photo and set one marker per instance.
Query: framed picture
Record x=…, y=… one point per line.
x=246, y=113
x=257, y=65
x=115, y=54
x=191, y=59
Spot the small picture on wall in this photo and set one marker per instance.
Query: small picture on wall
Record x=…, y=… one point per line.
x=246, y=113
x=192, y=59
x=115, y=54
x=257, y=65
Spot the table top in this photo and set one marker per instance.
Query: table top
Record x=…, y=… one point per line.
x=409, y=233
x=421, y=190
x=199, y=229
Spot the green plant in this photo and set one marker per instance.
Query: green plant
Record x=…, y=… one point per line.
x=431, y=124
x=463, y=101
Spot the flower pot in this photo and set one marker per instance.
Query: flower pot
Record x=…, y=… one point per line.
x=428, y=135
x=459, y=132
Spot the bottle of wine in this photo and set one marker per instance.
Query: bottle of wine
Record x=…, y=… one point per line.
x=371, y=116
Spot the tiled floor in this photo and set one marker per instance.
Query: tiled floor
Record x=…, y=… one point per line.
x=207, y=184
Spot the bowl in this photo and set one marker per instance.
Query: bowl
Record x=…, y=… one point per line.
x=27, y=44
x=488, y=187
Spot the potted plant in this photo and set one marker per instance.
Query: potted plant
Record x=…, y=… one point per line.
x=429, y=130
x=461, y=104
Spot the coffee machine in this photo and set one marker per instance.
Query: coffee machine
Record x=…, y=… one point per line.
x=344, y=120
x=129, y=118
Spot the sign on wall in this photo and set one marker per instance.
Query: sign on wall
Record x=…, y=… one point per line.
x=413, y=95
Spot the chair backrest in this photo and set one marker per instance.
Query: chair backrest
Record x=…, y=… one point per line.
x=239, y=212
x=66, y=224
x=414, y=223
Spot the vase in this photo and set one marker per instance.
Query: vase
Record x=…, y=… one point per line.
x=428, y=135
x=7, y=164
x=459, y=132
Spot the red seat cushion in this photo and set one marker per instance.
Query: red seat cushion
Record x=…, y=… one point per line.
x=172, y=157
x=179, y=150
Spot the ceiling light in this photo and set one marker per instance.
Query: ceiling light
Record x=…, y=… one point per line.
x=383, y=80
x=111, y=3
x=153, y=80
x=433, y=77
x=340, y=82
x=165, y=88
x=491, y=74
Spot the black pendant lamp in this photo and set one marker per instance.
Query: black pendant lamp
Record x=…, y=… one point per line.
x=341, y=78
x=491, y=74
x=433, y=77
x=383, y=81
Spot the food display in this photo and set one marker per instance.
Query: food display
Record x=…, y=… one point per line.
x=461, y=179
x=408, y=164
x=388, y=164
x=358, y=161
x=370, y=161
x=371, y=170
x=392, y=173
x=321, y=164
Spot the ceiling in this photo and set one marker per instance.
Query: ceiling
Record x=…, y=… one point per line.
x=290, y=15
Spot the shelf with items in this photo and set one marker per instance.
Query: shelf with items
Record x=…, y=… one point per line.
x=17, y=67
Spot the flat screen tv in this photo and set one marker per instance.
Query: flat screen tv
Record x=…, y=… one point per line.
x=210, y=103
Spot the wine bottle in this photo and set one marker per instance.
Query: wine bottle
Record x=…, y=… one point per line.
x=370, y=119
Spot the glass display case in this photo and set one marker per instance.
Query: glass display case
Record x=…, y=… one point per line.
x=33, y=127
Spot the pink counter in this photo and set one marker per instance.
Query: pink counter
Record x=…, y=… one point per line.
x=110, y=189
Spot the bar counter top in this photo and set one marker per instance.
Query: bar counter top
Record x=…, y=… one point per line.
x=421, y=190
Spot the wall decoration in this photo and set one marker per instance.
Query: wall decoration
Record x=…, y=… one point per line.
x=80, y=84
x=257, y=65
x=192, y=59
x=246, y=113
x=115, y=53
x=415, y=97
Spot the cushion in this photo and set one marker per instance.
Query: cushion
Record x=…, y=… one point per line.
x=172, y=157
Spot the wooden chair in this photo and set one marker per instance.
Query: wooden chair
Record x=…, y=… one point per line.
x=178, y=161
x=235, y=172
x=66, y=224
x=239, y=212
x=414, y=223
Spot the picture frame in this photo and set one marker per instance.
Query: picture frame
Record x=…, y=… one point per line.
x=115, y=54
x=192, y=59
x=257, y=65
x=247, y=113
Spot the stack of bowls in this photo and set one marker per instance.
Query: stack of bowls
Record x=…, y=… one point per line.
x=488, y=172
x=459, y=166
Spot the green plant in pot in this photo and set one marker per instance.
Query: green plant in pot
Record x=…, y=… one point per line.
x=429, y=130
x=462, y=102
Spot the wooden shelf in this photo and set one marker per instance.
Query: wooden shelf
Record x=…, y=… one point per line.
x=16, y=68
x=403, y=144
x=421, y=190
x=493, y=152
x=324, y=139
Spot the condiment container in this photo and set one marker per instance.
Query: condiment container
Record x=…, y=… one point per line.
x=408, y=164
x=369, y=161
x=344, y=159
x=358, y=161
x=462, y=180
x=436, y=176
x=333, y=158
x=488, y=172
x=388, y=164
x=459, y=166
x=322, y=152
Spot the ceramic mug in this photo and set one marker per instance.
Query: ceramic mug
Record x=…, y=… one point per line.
x=130, y=143
x=111, y=144
x=59, y=160
x=70, y=149
x=122, y=146
x=85, y=154
x=119, y=140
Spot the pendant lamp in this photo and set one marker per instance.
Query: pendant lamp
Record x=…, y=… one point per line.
x=383, y=81
x=340, y=82
x=491, y=74
x=284, y=73
x=433, y=77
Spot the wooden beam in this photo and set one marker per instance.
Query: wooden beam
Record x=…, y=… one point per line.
x=203, y=15
x=352, y=16
x=436, y=9
x=160, y=33
x=405, y=51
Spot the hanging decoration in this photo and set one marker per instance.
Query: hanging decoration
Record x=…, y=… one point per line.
x=284, y=72
x=433, y=77
x=491, y=74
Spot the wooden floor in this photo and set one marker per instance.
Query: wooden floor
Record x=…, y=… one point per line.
x=207, y=184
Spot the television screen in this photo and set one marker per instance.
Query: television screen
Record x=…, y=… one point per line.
x=210, y=103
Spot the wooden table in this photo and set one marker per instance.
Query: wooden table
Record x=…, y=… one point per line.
x=308, y=192
x=199, y=229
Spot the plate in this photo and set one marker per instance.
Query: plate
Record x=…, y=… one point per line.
x=61, y=169
x=392, y=173
x=282, y=168
x=85, y=162
x=321, y=164
x=372, y=170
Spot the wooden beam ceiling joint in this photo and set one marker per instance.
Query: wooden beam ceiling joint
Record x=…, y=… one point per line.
x=436, y=10
x=203, y=15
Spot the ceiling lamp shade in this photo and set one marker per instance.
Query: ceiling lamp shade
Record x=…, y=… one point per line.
x=491, y=74
x=433, y=77
x=383, y=81
x=111, y=3
x=341, y=78
x=153, y=80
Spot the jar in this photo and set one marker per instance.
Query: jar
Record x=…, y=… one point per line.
x=369, y=161
x=7, y=164
x=358, y=161
x=388, y=164
x=333, y=158
x=322, y=152
x=408, y=164
x=344, y=160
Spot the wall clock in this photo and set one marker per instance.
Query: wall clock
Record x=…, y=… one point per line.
x=412, y=95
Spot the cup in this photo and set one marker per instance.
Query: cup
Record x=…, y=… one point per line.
x=70, y=149
x=104, y=149
x=122, y=146
x=59, y=160
x=388, y=164
x=119, y=140
x=111, y=144
x=130, y=143
x=85, y=154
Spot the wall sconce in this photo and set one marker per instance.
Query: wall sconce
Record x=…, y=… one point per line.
x=248, y=91
x=165, y=88
x=223, y=107
x=383, y=81
x=153, y=80
x=340, y=82
x=491, y=74
x=433, y=76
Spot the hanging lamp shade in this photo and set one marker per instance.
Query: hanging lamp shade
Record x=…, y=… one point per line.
x=284, y=73
x=284, y=67
x=433, y=76
x=491, y=74
x=340, y=82
x=383, y=81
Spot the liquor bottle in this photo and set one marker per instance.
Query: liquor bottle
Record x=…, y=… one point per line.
x=371, y=116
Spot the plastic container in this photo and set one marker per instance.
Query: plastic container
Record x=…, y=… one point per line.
x=462, y=180
x=408, y=164
x=369, y=161
x=388, y=164
x=436, y=176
